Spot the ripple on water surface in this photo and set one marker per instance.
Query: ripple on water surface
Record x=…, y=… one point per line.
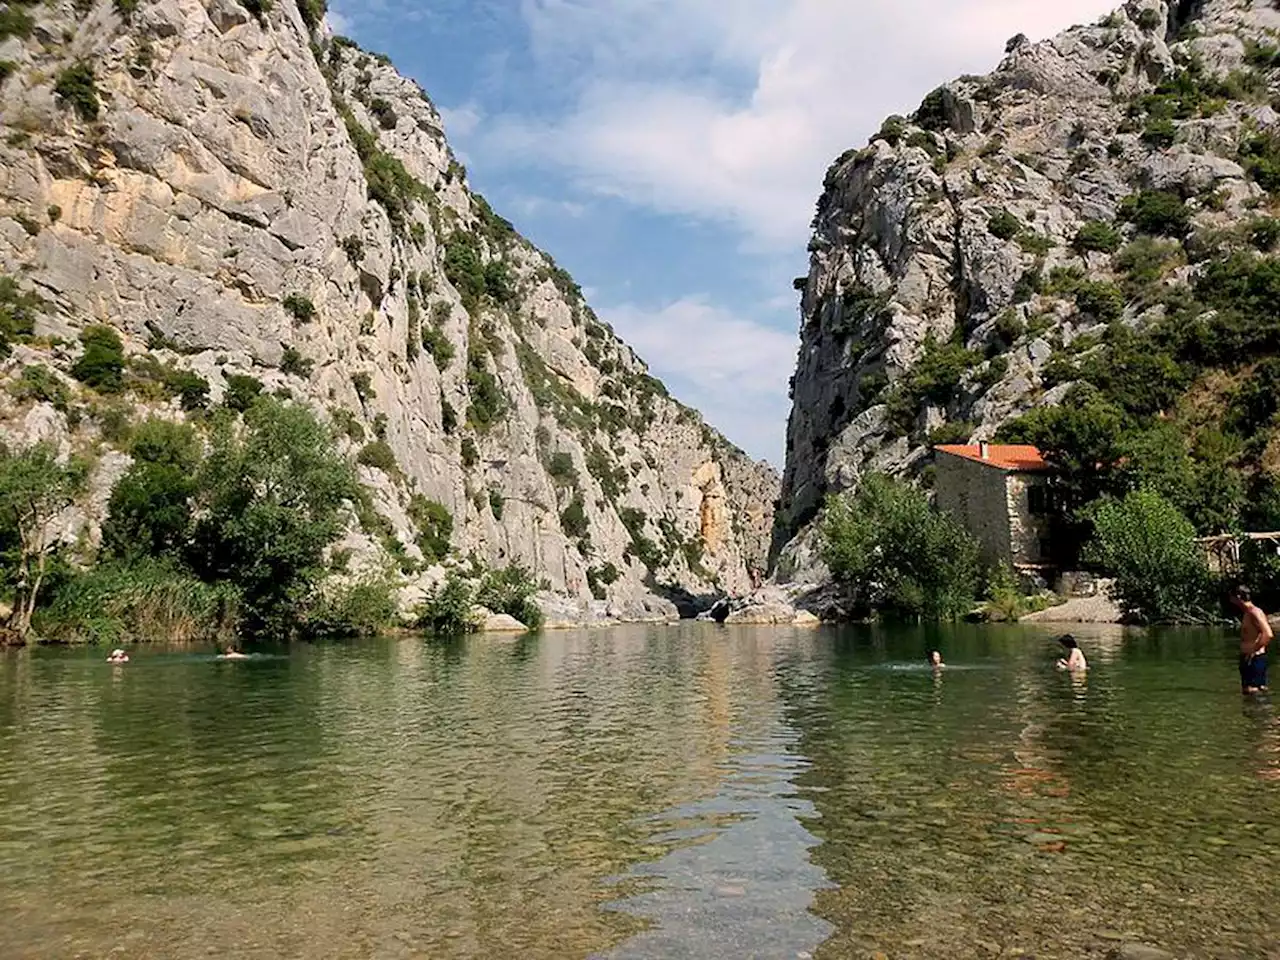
x=639, y=793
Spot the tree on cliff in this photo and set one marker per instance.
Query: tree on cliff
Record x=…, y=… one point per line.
x=34, y=489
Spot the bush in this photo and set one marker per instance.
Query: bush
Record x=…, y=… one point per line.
x=1157, y=212
x=464, y=269
x=1149, y=547
x=435, y=527
x=38, y=382
x=362, y=383
x=488, y=403
x=599, y=579
x=1004, y=225
x=15, y=22
x=1149, y=19
x=496, y=504
x=293, y=363
x=364, y=608
x=511, y=591
x=150, y=511
x=438, y=345
x=470, y=452
x=242, y=392
x=1096, y=236
x=313, y=12
x=300, y=307
x=932, y=112
x=447, y=612
x=145, y=600
x=101, y=365
x=896, y=553
x=573, y=519
x=1102, y=301
x=1260, y=155
x=384, y=113
x=1159, y=133
x=353, y=247
x=380, y=456
x=77, y=88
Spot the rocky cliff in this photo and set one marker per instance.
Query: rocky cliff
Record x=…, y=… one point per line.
x=973, y=256
x=255, y=205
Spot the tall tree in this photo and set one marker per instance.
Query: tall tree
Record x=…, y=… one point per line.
x=34, y=489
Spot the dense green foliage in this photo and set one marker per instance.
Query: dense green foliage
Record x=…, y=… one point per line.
x=435, y=527
x=236, y=526
x=34, y=488
x=77, y=88
x=511, y=591
x=447, y=612
x=101, y=365
x=151, y=506
x=271, y=502
x=895, y=553
x=1150, y=548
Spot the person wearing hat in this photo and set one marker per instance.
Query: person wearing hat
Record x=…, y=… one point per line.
x=118, y=656
x=1074, y=660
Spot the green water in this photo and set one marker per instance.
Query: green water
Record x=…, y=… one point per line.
x=655, y=792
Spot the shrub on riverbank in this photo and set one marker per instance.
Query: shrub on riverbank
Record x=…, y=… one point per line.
x=1150, y=548
x=145, y=600
x=447, y=612
x=363, y=608
x=896, y=553
x=199, y=544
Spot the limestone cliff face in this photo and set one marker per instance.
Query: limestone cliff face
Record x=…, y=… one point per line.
x=242, y=195
x=944, y=253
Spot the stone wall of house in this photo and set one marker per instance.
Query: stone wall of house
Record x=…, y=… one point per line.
x=979, y=497
x=1025, y=530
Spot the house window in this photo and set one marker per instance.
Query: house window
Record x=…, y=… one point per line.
x=1039, y=501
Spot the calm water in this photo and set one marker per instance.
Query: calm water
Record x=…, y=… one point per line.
x=641, y=793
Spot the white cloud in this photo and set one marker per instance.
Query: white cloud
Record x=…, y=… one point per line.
x=733, y=370
x=530, y=205
x=338, y=22
x=732, y=111
x=461, y=121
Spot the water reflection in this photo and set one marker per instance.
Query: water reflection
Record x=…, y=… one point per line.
x=637, y=793
x=745, y=885
x=386, y=800
x=1024, y=813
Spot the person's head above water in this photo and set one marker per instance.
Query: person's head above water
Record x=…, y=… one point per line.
x=1068, y=641
x=934, y=657
x=1240, y=596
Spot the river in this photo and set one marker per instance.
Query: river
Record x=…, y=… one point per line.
x=641, y=792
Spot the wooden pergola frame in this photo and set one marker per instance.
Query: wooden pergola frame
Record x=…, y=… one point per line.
x=1223, y=551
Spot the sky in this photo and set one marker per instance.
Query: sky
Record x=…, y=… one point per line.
x=669, y=153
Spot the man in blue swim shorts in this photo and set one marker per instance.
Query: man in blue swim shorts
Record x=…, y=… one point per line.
x=1255, y=637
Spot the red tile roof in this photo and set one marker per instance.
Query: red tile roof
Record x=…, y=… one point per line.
x=1003, y=456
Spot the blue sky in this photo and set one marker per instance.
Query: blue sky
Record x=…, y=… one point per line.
x=669, y=153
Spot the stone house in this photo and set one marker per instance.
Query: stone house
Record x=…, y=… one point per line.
x=1002, y=496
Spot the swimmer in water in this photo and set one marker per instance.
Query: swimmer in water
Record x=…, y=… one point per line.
x=1074, y=660
x=231, y=653
x=118, y=656
x=935, y=660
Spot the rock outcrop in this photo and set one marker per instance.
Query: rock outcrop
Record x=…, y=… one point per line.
x=971, y=249
x=244, y=196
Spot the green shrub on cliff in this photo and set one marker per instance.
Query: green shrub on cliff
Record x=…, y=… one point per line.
x=101, y=365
